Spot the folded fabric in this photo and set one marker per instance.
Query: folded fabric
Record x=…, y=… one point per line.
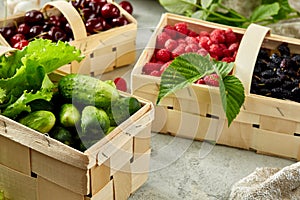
x=269, y=183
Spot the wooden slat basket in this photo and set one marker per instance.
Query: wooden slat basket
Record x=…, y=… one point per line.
x=104, y=51
x=37, y=167
x=266, y=125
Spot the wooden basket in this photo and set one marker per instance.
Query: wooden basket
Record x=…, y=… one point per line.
x=35, y=166
x=104, y=51
x=265, y=125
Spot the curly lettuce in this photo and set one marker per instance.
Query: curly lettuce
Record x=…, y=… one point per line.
x=24, y=73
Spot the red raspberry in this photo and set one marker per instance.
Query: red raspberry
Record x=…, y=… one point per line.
x=217, y=36
x=226, y=53
x=191, y=40
x=234, y=47
x=181, y=41
x=180, y=49
x=171, y=44
x=161, y=39
x=204, y=33
x=215, y=49
x=153, y=59
x=230, y=36
x=150, y=67
x=163, y=55
x=181, y=28
x=191, y=48
x=227, y=59
x=212, y=79
x=202, y=52
x=155, y=73
x=200, y=81
x=165, y=66
x=193, y=34
x=120, y=84
x=204, y=42
x=170, y=30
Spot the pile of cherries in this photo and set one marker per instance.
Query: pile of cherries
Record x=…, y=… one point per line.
x=97, y=15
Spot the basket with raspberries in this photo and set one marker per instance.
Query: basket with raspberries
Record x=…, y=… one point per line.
x=219, y=43
x=267, y=66
x=87, y=25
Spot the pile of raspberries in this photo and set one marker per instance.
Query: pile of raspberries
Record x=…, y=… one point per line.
x=173, y=41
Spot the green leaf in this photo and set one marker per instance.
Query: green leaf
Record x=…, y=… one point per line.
x=232, y=96
x=206, y=3
x=187, y=68
x=178, y=6
x=52, y=55
x=223, y=68
x=21, y=105
x=184, y=70
x=264, y=12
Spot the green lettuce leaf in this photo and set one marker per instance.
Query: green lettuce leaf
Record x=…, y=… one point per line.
x=24, y=73
x=188, y=68
x=21, y=105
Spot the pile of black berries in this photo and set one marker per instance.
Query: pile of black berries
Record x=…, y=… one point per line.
x=277, y=74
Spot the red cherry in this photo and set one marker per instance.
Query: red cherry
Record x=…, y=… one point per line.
x=110, y=10
x=21, y=44
x=16, y=38
x=120, y=21
x=34, y=17
x=126, y=5
x=24, y=29
x=120, y=84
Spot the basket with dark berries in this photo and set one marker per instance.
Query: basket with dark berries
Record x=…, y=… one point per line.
x=103, y=30
x=226, y=85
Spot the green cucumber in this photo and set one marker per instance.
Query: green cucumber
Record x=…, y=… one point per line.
x=41, y=120
x=87, y=90
x=69, y=115
x=94, y=121
x=63, y=135
x=122, y=109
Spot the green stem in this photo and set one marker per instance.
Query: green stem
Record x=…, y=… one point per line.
x=232, y=11
x=228, y=18
x=240, y=19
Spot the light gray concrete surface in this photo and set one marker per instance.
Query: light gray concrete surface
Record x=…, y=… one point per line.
x=176, y=169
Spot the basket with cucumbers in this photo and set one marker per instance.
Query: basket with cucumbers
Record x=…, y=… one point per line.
x=77, y=110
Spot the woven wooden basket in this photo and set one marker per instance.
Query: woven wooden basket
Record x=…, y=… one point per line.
x=35, y=166
x=104, y=51
x=265, y=125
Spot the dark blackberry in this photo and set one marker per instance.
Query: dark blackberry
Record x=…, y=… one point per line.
x=263, y=54
x=295, y=94
x=272, y=65
x=264, y=91
x=284, y=49
x=275, y=58
x=278, y=76
x=271, y=82
x=296, y=58
x=288, y=85
x=260, y=65
x=268, y=73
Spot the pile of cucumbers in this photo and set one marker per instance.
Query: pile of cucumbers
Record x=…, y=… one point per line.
x=82, y=111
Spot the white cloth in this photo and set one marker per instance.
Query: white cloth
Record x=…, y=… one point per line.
x=268, y=184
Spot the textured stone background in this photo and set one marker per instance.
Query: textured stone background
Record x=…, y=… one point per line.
x=290, y=28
